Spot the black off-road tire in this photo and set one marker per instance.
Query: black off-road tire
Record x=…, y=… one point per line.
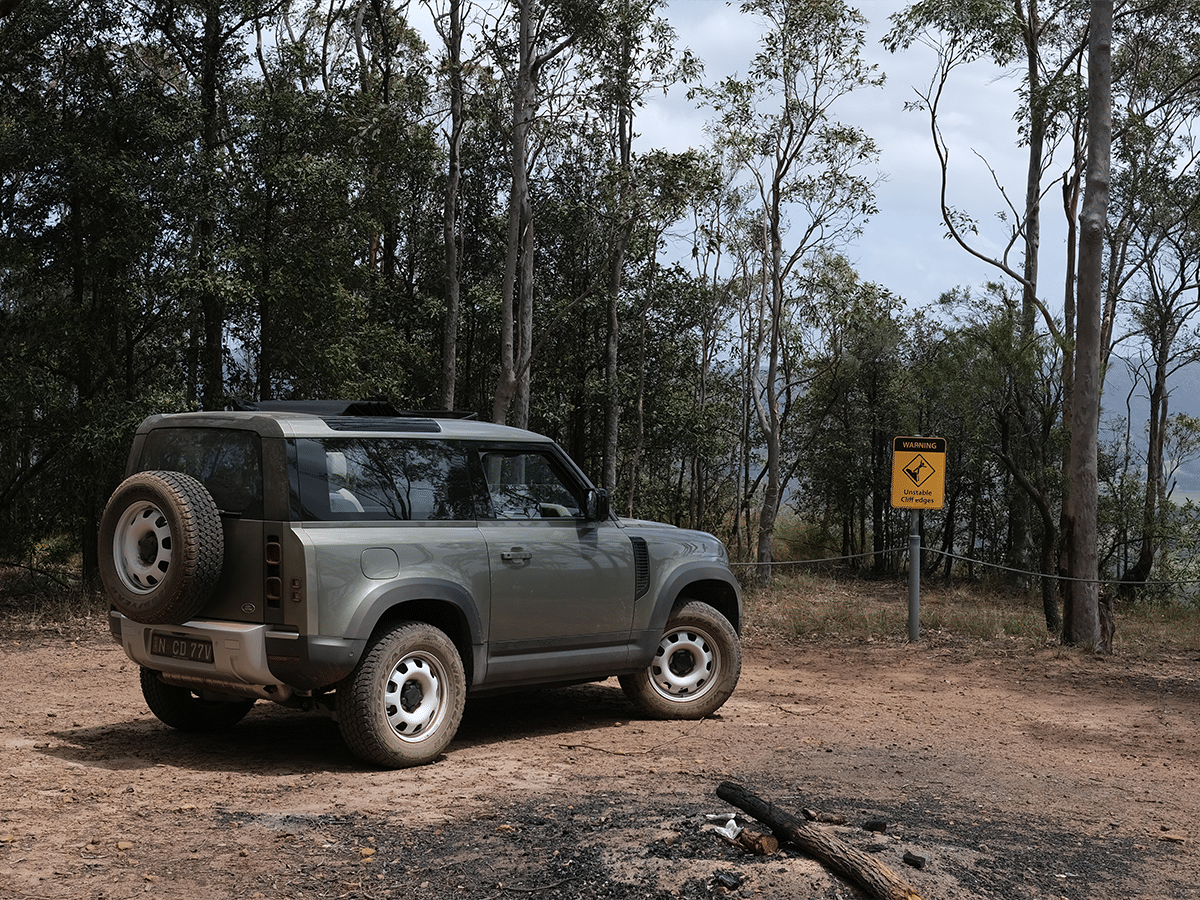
x=402, y=704
x=161, y=547
x=185, y=710
x=695, y=669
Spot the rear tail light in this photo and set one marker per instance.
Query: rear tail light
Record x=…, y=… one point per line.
x=273, y=585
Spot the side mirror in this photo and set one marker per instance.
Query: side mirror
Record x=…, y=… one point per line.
x=597, y=504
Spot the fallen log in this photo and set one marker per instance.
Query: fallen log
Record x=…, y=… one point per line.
x=861, y=868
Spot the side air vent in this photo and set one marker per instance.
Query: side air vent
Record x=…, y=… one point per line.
x=641, y=567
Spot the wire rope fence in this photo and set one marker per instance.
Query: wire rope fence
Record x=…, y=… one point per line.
x=1012, y=570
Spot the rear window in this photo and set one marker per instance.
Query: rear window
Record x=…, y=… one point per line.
x=338, y=479
x=227, y=462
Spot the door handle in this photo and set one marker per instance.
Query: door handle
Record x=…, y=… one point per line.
x=516, y=554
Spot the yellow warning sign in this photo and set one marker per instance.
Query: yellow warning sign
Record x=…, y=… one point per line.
x=918, y=472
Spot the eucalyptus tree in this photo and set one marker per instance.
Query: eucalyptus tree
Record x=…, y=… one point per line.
x=1153, y=251
x=670, y=435
x=401, y=161
x=1082, y=613
x=852, y=338
x=450, y=19
x=90, y=242
x=400, y=198
x=337, y=174
x=1156, y=97
x=567, y=397
x=1020, y=432
x=207, y=38
x=533, y=46
x=297, y=241
x=725, y=253
x=631, y=54
x=1042, y=43
x=576, y=211
x=813, y=178
x=1164, y=307
x=1050, y=46
x=681, y=439
x=483, y=210
x=674, y=187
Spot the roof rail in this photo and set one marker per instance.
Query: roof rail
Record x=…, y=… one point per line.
x=377, y=409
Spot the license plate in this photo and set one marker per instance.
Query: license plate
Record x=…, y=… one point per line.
x=179, y=646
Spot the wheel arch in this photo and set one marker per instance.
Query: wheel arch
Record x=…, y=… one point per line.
x=713, y=585
x=442, y=604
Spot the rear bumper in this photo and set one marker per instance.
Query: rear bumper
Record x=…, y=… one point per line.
x=242, y=653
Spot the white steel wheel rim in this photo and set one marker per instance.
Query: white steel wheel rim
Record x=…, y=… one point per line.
x=142, y=547
x=414, y=698
x=685, y=665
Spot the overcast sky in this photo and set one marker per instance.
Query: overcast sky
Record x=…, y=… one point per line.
x=903, y=247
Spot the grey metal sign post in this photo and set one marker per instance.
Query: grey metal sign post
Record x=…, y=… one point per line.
x=918, y=482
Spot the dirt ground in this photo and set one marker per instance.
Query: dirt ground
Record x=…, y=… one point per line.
x=1015, y=774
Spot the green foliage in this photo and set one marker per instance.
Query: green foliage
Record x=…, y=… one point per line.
x=983, y=27
x=167, y=189
x=90, y=228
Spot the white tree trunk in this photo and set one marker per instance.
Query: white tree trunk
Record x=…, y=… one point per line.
x=1081, y=622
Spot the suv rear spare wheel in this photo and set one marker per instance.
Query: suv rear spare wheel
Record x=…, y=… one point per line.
x=161, y=547
x=695, y=668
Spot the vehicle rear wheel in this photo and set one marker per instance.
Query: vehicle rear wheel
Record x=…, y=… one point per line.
x=402, y=703
x=161, y=547
x=695, y=668
x=186, y=710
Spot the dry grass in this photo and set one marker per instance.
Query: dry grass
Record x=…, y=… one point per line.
x=798, y=607
x=806, y=607
x=1148, y=629
x=47, y=597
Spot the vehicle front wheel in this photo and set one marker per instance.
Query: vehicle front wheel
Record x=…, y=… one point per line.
x=402, y=704
x=186, y=710
x=695, y=668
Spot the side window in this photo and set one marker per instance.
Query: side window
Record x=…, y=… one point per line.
x=381, y=479
x=226, y=461
x=527, y=485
